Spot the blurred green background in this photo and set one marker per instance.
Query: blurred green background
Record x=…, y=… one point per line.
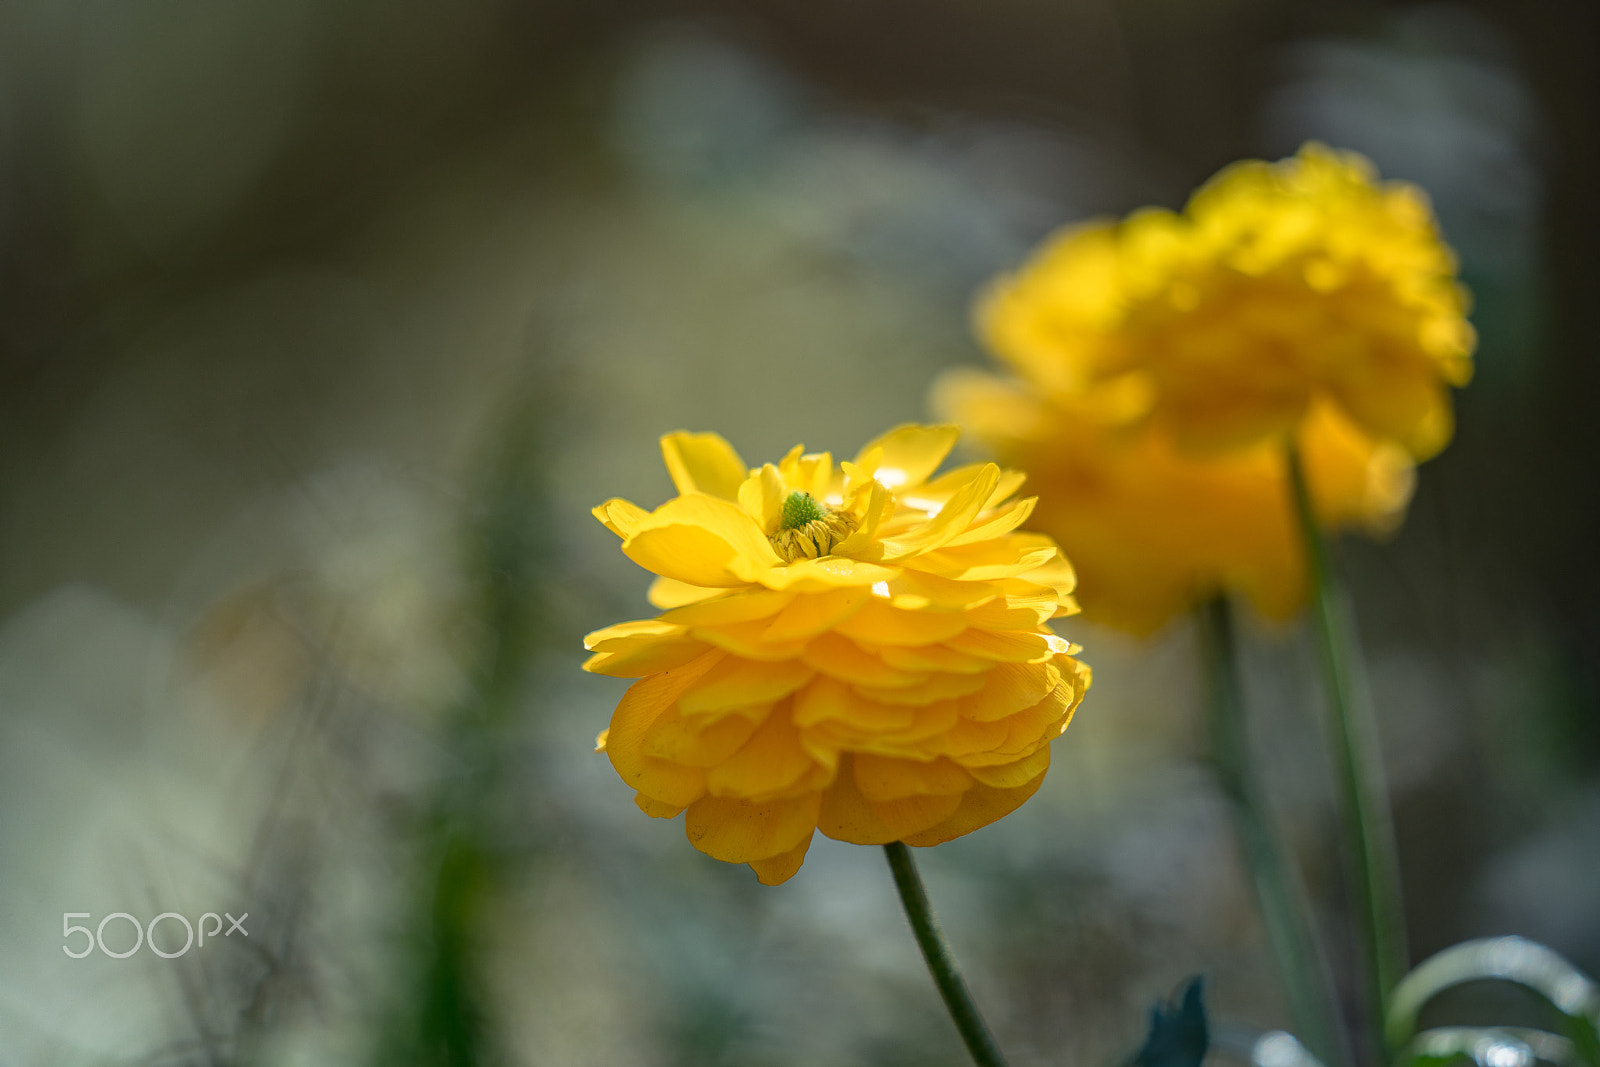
x=322, y=325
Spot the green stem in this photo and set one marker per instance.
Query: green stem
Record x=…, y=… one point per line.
x=1368, y=823
x=1284, y=911
x=946, y=975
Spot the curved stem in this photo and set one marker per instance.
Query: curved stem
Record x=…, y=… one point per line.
x=1284, y=910
x=942, y=965
x=1364, y=809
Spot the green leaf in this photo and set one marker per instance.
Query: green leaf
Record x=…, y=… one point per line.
x=1498, y=1046
x=1573, y=994
x=1178, y=1034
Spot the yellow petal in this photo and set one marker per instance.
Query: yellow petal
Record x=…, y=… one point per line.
x=740, y=606
x=840, y=658
x=625, y=635
x=811, y=613
x=828, y=741
x=703, y=541
x=1009, y=646
x=829, y=572
x=859, y=475
x=688, y=553
x=811, y=472
x=736, y=684
x=942, y=488
x=697, y=742
x=667, y=593
x=762, y=496
x=936, y=687
x=991, y=744
x=1354, y=480
x=1008, y=689
x=619, y=516
x=766, y=765
x=1034, y=726
x=740, y=831
x=879, y=623
x=782, y=867
x=934, y=658
x=725, y=518
x=1013, y=775
x=951, y=520
x=1068, y=606
x=910, y=453
x=645, y=702
x=748, y=639
x=1057, y=573
x=909, y=816
x=1009, y=483
x=826, y=699
x=980, y=806
x=930, y=720
x=703, y=463
x=997, y=523
x=1075, y=675
x=916, y=590
x=969, y=742
x=863, y=543
x=846, y=815
x=655, y=808
x=1020, y=612
x=881, y=779
x=1011, y=556
x=643, y=659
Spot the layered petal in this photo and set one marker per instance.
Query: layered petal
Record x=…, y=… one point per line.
x=703, y=463
x=701, y=540
x=908, y=455
x=1152, y=529
x=742, y=831
x=663, y=780
x=775, y=870
x=1278, y=288
x=979, y=806
x=858, y=649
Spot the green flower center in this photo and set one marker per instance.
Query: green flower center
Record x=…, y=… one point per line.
x=801, y=508
x=808, y=530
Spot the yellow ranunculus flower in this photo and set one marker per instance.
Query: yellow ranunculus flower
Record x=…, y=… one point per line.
x=861, y=650
x=1162, y=362
x=1279, y=286
x=1153, y=530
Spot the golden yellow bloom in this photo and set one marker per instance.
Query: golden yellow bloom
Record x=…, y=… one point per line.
x=1153, y=530
x=860, y=650
x=1162, y=362
x=1279, y=286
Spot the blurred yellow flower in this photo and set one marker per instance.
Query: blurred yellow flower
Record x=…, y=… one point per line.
x=1162, y=362
x=1279, y=286
x=860, y=650
x=1153, y=530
